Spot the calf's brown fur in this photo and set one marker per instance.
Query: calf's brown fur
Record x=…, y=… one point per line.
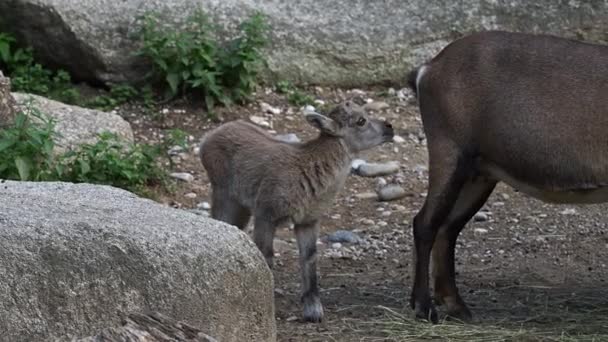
x=252, y=173
x=529, y=110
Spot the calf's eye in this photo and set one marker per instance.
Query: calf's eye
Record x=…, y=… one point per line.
x=361, y=122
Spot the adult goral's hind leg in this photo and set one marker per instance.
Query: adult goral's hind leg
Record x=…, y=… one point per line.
x=471, y=198
x=447, y=173
x=306, y=235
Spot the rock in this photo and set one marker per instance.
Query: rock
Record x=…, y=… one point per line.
x=336, y=245
x=288, y=138
x=204, y=206
x=190, y=195
x=308, y=109
x=343, y=236
x=183, y=176
x=354, y=165
x=148, y=328
x=480, y=217
x=377, y=169
x=76, y=125
x=480, y=231
x=383, y=41
x=376, y=106
x=175, y=150
x=266, y=108
x=260, y=121
x=73, y=256
x=568, y=212
x=7, y=102
x=398, y=139
x=391, y=192
x=366, y=195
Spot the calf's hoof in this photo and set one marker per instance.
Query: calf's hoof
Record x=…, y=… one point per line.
x=313, y=310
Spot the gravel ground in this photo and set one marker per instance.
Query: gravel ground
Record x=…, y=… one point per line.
x=522, y=264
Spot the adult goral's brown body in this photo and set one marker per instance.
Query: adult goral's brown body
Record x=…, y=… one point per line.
x=529, y=110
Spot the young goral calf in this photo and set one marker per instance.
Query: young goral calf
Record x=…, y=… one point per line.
x=277, y=182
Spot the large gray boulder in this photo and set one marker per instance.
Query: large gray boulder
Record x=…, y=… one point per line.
x=75, y=125
x=343, y=42
x=75, y=258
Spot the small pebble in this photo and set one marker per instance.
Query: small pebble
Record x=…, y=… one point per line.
x=260, y=121
x=391, y=192
x=183, y=176
x=568, y=211
x=480, y=230
x=190, y=195
x=204, y=206
x=480, y=217
x=354, y=165
x=377, y=169
x=376, y=105
x=366, y=195
x=343, y=236
x=266, y=108
x=336, y=245
x=398, y=139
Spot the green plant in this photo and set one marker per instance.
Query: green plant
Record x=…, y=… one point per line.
x=112, y=162
x=294, y=95
x=31, y=77
x=243, y=58
x=118, y=95
x=26, y=148
x=191, y=59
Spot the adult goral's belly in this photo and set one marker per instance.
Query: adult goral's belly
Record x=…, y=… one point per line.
x=587, y=194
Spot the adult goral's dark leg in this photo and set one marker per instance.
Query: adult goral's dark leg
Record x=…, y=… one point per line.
x=447, y=174
x=471, y=198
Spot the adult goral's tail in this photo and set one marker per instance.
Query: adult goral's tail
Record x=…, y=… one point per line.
x=414, y=77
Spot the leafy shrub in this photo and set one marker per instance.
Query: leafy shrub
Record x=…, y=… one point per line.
x=31, y=77
x=26, y=153
x=192, y=60
x=118, y=95
x=26, y=148
x=112, y=162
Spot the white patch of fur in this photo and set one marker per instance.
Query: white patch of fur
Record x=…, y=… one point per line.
x=423, y=69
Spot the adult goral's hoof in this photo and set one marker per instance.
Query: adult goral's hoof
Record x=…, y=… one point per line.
x=460, y=313
x=426, y=312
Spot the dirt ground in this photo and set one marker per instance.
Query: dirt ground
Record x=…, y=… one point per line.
x=528, y=270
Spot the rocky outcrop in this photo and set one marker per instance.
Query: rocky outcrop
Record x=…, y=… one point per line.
x=7, y=103
x=343, y=42
x=76, y=125
x=75, y=258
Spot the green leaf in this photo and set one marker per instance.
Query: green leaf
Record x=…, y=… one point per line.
x=174, y=81
x=5, y=52
x=85, y=167
x=4, y=144
x=24, y=166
